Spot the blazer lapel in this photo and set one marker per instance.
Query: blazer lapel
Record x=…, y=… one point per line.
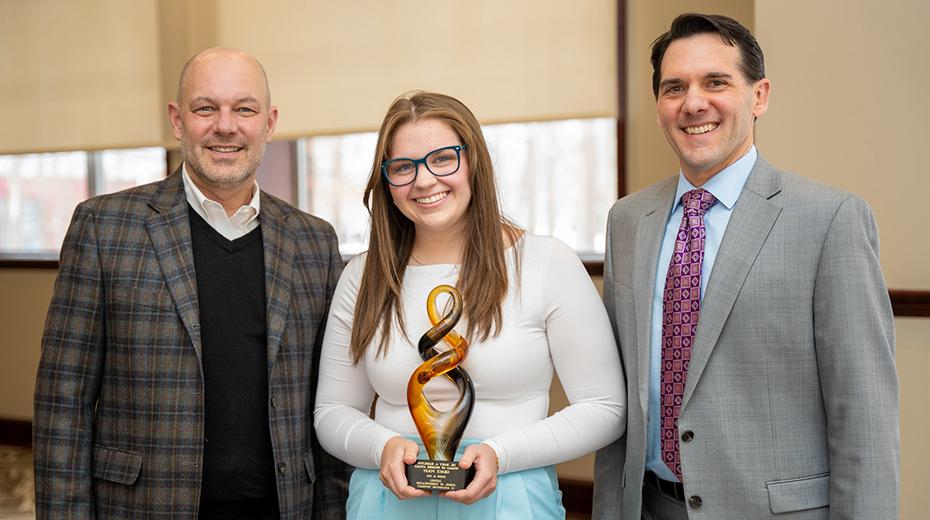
x=753, y=218
x=169, y=230
x=649, y=233
x=280, y=254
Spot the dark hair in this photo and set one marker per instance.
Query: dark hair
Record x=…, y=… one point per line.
x=752, y=63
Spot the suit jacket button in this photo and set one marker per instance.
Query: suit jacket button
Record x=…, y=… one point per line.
x=695, y=502
x=282, y=468
x=687, y=436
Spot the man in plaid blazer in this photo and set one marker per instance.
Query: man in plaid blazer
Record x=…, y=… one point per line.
x=121, y=400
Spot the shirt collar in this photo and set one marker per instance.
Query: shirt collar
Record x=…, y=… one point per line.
x=196, y=198
x=726, y=185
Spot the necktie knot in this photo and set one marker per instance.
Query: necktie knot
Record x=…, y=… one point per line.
x=697, y=202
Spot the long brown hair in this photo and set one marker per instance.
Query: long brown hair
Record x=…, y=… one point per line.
x=482, y=279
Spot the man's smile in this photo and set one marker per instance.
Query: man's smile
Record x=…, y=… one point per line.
x=702, y=129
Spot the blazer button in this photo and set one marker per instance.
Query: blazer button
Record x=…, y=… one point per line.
x=274, y=401
x=695, y=502
x=282, y=468
x=687, y=436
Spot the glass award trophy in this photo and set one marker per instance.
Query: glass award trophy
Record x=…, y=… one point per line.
x=441, y=431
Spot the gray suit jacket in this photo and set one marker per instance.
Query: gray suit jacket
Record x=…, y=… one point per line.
x=118, y=428
x=792, y=394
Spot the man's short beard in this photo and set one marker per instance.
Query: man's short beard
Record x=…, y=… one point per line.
x=196, y=168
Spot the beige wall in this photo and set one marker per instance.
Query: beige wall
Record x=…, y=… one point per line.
x=913, y=358
x=847, y=109
x=26, y=293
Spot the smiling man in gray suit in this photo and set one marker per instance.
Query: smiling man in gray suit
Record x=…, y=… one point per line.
x=752, y=316
x=180, y=351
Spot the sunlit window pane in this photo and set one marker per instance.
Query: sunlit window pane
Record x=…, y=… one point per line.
x=337, y=171
x=557, y=178
x=121, y=169
x=38, y=194
x=554, y=178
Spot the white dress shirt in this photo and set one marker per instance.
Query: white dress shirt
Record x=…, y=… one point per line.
x=240, y=223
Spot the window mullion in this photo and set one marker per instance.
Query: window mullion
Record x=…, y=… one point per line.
x=301, y=181
x=95, y=181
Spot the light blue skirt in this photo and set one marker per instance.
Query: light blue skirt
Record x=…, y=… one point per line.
x=532, y=494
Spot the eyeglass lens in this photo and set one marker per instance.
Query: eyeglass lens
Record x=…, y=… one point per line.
x=444, y=161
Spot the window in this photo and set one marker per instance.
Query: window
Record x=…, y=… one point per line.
x=122, y=169
x=558, y=178
x=554, y=178
x=38, y=192
x=336, y=174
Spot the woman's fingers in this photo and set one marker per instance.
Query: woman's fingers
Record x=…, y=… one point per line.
x=484, y=459
x=398, y=452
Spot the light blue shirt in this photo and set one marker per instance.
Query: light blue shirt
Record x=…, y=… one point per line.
x=726, y=187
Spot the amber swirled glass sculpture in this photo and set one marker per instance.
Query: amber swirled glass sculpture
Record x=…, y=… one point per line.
x=441, y=431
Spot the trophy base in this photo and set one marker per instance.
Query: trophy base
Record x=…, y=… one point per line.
x=438, y=475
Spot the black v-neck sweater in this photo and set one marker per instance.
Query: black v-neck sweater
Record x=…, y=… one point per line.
x=238, y=464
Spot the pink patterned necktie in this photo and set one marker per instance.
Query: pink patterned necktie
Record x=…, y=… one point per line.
x=681, y=306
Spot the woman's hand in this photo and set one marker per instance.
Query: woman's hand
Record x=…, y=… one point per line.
x=397, y=453
x=484, y=459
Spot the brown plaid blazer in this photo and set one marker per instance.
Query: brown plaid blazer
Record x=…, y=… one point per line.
x=118, y=426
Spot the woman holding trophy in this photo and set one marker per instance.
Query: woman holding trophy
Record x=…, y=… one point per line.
x=475, y=389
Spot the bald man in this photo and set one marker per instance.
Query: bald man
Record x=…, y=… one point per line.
x=180, y=351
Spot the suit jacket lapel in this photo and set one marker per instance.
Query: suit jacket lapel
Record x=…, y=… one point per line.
x=280, y=254
x=753, y=217
x=649, y=233
x=169, y=230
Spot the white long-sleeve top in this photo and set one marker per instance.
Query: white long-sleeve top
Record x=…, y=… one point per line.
x=552, y=319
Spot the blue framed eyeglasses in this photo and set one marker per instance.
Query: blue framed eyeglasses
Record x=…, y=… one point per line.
x=440, y=162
